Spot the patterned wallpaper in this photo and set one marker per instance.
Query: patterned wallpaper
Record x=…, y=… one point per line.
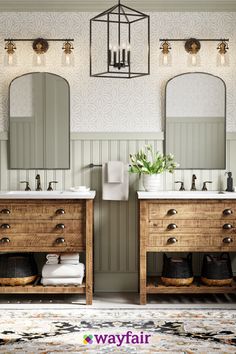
x=109, y=105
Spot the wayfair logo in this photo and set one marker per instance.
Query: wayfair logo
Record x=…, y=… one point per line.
x=119, y=339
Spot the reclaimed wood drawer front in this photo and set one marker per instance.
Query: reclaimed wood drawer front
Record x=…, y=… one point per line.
x=192, y=210
x=41, y=241
x=30, y=226
x=42, y=209
x=190, y=242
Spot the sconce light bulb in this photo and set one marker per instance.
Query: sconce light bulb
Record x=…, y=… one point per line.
x=194, y=59
x=10, y=59
x=67, y=59
x=165, y=59
x=222, y=59
x=38, y=59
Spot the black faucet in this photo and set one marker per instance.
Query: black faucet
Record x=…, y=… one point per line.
x=193, y=187
x=38, y=186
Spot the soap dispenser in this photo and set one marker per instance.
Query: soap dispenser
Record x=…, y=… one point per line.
x=229, y=182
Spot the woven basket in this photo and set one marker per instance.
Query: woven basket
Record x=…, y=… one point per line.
x=217, y=270
x=17, y=269
x=177, y=271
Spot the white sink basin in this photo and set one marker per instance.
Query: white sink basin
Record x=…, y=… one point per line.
x=186, y=195
x=47, y=195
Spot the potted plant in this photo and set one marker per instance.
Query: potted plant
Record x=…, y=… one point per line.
x=150, y=165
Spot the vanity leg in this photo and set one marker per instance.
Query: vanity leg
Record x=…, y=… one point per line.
x=89, y=252
x=142, y=252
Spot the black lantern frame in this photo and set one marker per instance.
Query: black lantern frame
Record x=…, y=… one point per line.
x=119, y=60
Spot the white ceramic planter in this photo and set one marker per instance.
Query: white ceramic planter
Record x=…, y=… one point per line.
x=152, y=183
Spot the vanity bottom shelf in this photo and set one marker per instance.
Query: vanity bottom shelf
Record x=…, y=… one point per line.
x=155, y=286
x=37, y=288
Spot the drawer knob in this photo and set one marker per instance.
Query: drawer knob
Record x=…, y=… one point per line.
x=5, y=240
x=228, y=212
x=227, y=240
x=5, y=211
x=172, y=240
x=60, y=211
x=5, y=226
x=227, y=226
x=60, y=240
x=172, y=212
x=172, y=227
x=60, y=226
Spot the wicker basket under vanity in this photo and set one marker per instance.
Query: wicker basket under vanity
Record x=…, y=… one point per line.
x=177, y=271
x=217, y=270
x=17, y=269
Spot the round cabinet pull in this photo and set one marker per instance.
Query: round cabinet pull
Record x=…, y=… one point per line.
x=172, y=240
x=60, y=226
x=227, y=240
x=172, y=212
x=5, y=211
x=227, y=226
x=5, y=226
x=5, y=240
x=172, y=227
x=228, y=212
x=60, y=240
x=60, y=211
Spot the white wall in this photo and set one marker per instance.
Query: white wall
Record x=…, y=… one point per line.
x=109, y=105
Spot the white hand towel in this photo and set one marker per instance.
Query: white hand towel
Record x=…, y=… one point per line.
x=115, y=172
x=62, y=281
x=69, y=256
x=52, y=255
x=115, y=191
x=52, y=261
x=69, y=261
x=63, y=270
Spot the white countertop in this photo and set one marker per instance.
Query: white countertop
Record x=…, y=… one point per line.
x=47, y=195
x=186, y=195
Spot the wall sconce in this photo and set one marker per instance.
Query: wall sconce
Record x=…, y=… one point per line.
x=222, y=56
x=67, y=54
x=116, y=49
x=40, y=47
x=192, y=47
x=10, y=58
x=165, y=56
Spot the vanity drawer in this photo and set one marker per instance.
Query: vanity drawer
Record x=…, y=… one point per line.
x=191, y=242
x=194, y=210
x=42, y=209
x=42, y=242
x=192, y=226
x=10, y=227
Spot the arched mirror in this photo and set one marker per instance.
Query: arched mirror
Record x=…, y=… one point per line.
x=195, y=121
x=39, y=125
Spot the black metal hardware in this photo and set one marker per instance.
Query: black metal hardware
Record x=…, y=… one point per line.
x=5, y=226
x=172, y=240
x=60, y=211
x=5, y=211
x=227, y=240
x=172, y=227
x=27, y=187
x=204, y=187
x=172, y=212
x=228, y=212
x=5, y=240
x=227, y=226
x=60, y=240
x=181, y=188
x=60, y=226
x=50, y=185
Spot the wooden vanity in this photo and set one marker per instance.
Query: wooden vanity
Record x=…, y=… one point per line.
x=54, y=224
x=178, y=222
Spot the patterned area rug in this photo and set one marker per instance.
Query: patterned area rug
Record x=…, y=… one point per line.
x=117, y=331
